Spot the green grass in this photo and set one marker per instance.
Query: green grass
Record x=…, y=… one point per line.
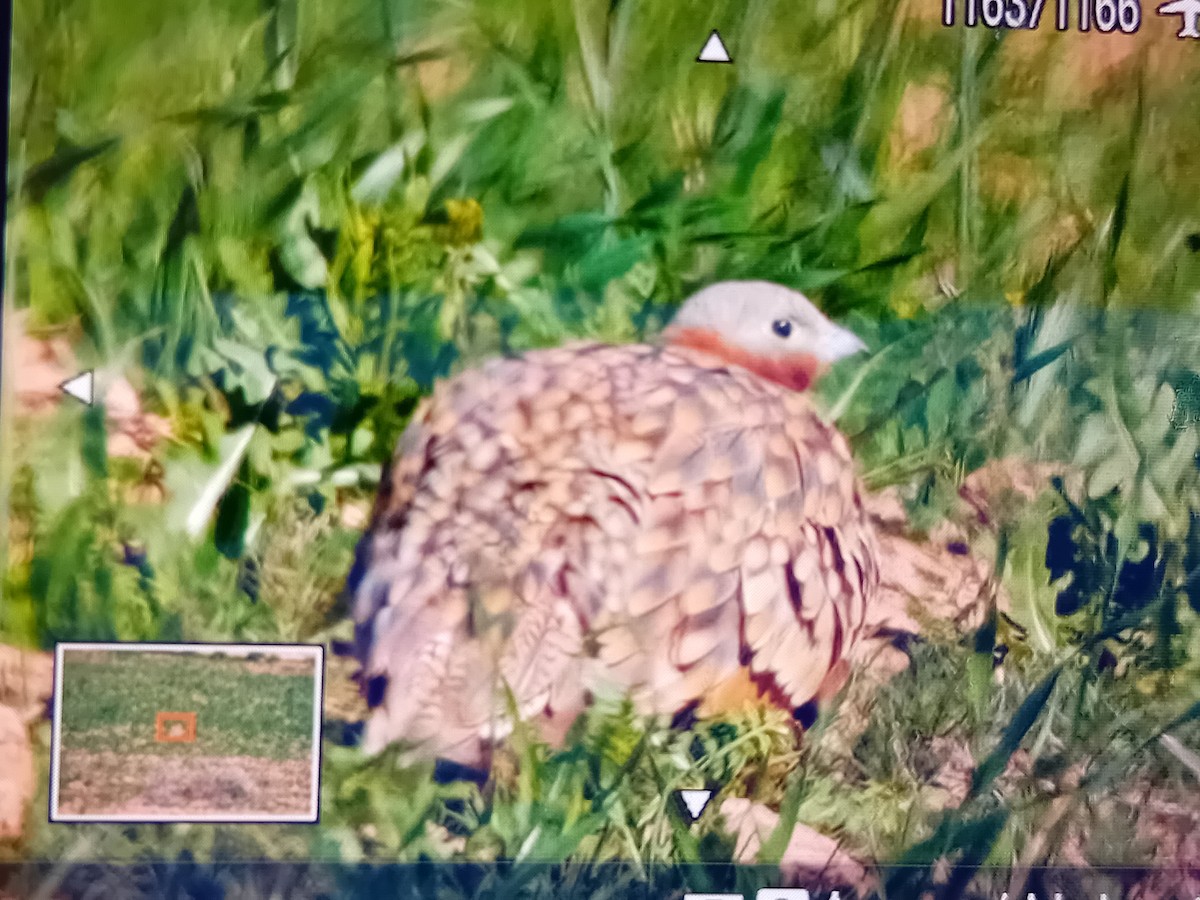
x=111, y=703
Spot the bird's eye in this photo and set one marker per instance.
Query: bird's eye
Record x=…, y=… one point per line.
x=782, y=327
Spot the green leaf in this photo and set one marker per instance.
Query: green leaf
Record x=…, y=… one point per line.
x=250, y=370
x=1169, y=468
x=236, y=112
x=776, y=843
x=196, y=487
x=381, y=176
x=568, y=228
x=1119, y=468
x=233, y=518
x=94, y=447
x=1030, y=367
x=1031, y=595
x=940, y=405
x=1026, y=715
x=298, y=252
x=607, y=263
x=976, y=839
x=51, y=172
x=1097, y=441
x=815, y=279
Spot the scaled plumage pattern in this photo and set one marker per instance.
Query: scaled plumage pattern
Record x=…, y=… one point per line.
x=674, y=522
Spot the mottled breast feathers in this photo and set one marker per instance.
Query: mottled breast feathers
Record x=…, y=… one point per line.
x=596, y=520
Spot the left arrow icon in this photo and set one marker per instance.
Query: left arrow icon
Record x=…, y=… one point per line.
x=82, y=387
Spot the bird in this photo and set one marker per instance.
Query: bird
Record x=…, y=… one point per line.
x=671, y=523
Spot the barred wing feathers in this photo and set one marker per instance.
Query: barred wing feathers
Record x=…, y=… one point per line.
x=597, y=519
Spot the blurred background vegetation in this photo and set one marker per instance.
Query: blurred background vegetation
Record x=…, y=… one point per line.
x=270, y=228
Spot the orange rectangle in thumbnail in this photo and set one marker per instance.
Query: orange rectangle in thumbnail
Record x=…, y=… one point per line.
x=175, y=727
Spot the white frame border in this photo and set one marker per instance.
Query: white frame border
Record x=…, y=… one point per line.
x=316, y=651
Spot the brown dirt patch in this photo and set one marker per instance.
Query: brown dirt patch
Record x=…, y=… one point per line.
x=141, y=784
x=26, y=680
x=273, y=666
x=17, y=777
x=97, y=657
x=343, y=697
x=259, y=665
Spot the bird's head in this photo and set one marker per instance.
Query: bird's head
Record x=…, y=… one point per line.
x=769, y=329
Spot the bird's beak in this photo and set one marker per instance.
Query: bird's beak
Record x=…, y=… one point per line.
x=839, y=343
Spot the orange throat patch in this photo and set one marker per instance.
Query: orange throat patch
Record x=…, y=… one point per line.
x=795, y=371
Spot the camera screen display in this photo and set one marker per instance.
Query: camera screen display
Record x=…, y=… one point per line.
x=601, y=449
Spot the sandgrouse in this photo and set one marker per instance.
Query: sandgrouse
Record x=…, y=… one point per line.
x=671, y=522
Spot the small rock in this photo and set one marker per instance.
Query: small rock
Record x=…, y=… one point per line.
x=809, y=855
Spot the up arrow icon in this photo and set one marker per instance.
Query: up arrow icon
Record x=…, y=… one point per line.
x=714, y=50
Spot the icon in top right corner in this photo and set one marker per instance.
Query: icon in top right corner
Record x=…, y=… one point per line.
x=1189, y=12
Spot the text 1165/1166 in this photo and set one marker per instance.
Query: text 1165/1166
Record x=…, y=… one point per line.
x=1124, y=16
